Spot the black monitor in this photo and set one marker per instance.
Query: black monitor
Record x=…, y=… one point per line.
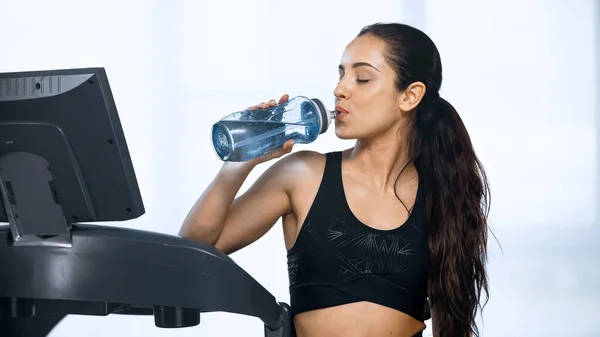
x=65, y=165
x=63, y=155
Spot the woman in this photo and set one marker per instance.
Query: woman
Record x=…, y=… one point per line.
x=373, y=231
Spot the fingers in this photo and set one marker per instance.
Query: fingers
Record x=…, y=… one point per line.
x=287, y=146
x=270, y=103
x=263, y=105
x=285, y=149
x=284, y=98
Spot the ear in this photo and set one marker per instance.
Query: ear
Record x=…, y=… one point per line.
x=411, y=97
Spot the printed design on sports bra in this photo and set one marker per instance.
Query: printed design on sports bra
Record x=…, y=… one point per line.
x=349, y=249
x=385, y=244
x=361, y=266
x=292, y=268
x=293, y=264
x=372, y=252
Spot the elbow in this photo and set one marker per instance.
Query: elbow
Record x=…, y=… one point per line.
x=185, y=230
x=191, y=232
x=223, y=247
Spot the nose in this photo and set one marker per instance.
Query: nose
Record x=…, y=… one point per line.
x=341, y=91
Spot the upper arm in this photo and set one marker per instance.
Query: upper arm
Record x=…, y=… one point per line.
x=254, y=213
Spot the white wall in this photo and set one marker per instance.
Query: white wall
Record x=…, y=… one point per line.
x=520, y=73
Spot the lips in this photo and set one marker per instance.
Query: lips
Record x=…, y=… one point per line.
x=340, y=111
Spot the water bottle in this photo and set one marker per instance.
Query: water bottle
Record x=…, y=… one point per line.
x=248, y=134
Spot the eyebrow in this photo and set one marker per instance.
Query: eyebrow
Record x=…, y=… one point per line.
x=359, y=64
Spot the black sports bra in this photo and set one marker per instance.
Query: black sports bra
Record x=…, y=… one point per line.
x=337, y=259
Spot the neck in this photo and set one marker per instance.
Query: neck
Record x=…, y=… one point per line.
x=382, y=159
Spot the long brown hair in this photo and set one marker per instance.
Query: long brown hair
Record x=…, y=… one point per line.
x=454, y=181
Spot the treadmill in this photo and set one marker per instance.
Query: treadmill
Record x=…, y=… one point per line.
x=64, y=166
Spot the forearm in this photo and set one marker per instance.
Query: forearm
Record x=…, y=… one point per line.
x=207, y=217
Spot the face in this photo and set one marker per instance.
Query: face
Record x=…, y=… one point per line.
x=367, y=100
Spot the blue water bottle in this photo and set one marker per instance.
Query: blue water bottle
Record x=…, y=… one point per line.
x=248, y=134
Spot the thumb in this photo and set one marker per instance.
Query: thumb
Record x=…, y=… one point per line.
x=287, y=146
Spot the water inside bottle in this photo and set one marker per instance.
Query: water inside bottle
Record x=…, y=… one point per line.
x=241, y=140
x=248, y=134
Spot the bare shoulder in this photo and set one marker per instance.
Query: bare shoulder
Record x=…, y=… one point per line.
x=303, y=161
x=298, y=168
x=303, y=173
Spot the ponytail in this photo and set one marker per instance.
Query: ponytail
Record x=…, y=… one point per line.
x=457, y=204
x=455, y=184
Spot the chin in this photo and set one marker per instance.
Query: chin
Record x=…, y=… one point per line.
x=344, y=133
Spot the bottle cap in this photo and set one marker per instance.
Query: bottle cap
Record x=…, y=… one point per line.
x=326, y=115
